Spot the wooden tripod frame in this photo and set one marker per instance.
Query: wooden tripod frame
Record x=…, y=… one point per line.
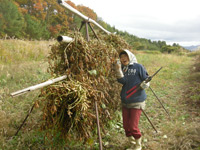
x=87, y=23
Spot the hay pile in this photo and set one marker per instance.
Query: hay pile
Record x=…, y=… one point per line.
x=69, y=104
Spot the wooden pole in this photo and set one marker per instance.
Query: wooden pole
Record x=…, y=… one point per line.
x=149, y=120
x=87, y=33
x=160, y=102
x=93, y=30
x=98, y=127
x=82, y=23
x=25, y=119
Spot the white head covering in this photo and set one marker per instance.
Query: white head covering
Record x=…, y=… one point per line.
x=131, y=57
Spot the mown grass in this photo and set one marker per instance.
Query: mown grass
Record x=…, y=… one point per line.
x=20, y=68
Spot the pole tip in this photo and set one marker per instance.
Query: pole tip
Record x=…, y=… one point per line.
x=59, y=38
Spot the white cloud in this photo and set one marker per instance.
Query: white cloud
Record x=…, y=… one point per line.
x=168, y=20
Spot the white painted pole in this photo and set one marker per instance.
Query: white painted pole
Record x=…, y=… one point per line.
x=38, y=86
x=63, y=3
x=67, y=39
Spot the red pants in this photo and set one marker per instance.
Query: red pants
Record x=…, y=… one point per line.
x=131, y=117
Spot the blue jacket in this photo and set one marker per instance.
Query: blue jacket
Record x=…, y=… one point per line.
x=134, y=75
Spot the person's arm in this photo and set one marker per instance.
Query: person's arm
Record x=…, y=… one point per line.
x=119, y=73
x=122, y=80
x=144, y=75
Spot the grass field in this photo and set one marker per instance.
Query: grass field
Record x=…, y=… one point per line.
x=24, y=63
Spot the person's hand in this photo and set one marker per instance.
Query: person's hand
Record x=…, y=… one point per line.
x=118, y=69
x=144, y=85
x=118, y=65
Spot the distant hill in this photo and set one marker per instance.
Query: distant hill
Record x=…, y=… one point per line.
x=192, y=48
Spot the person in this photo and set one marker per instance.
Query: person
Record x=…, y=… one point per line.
x=130, y=73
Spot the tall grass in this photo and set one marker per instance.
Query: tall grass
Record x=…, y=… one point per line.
x=13, y=50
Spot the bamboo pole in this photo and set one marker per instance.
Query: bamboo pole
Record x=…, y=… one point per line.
x=38, y=86
x=85, y=18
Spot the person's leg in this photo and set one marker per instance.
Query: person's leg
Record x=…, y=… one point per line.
x=126, y=118
x=134, y=122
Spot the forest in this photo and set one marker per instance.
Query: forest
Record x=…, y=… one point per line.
x=46, y=19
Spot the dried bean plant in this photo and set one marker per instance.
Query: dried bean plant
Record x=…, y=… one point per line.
x=69, y=104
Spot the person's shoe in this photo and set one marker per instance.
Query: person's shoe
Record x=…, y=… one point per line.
x=131, y=140
x=138, y=145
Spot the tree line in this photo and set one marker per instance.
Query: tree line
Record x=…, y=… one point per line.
x=46, y=19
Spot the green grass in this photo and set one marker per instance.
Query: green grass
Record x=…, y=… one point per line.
x=25, y=65
x=170, y=85
x=22, y=64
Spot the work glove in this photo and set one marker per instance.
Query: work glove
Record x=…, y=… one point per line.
x=118, y=69
x=144, y=85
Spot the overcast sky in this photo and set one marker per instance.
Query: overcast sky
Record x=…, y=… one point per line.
x=173, y=21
